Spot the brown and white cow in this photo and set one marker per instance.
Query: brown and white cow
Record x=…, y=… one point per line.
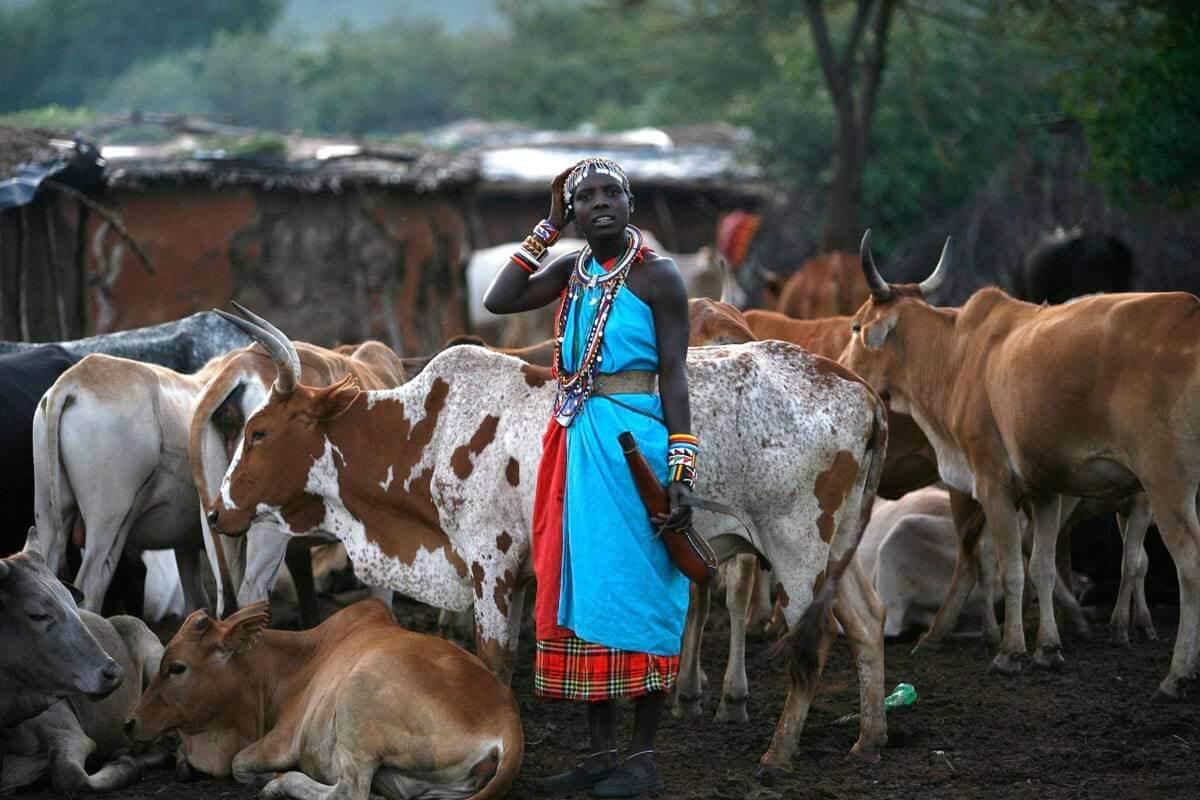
x=239, y=385
x=1025, y=404
x=357, y=706
x=430, y=487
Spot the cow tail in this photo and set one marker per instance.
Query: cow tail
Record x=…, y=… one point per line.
x=512, y=753
x=210, y=399
x=55, y=402
x=802, y=643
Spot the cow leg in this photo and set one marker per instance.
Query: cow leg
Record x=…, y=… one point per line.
x=106, y=541
x=1064, y=586
x=298, y=786
x=760, y=610
x=187, y=560
x=968, y=524
x=69, y=747
x=795, y=711
x=1133, y=523
x=862, y=615
x=298, y=557
x=688, y=689
x=1004, y=526
x=1044, y=572
x=986, y=564
x=498, y=608
x=266, y=551
x=1177, y=522
x=739, y=592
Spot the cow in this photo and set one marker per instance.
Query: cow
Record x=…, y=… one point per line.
x=429, y=487
x=68, y=679
x=354, y=708
x=704, y=274
x=24, y=378
x=1025, y=404
x=184, y=345
x=909, y=550
x=827, y=285
x=1067, y=264
x=110, y=453
x=239, y=385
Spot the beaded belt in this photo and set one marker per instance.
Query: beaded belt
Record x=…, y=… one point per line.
x=630, y=381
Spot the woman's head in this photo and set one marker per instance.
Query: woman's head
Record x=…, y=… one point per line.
x=597, y=195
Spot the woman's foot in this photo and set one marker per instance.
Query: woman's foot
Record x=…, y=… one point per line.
x=594, y=769
x=636, y=775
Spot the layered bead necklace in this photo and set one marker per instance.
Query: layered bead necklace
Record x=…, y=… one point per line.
x=574, y=387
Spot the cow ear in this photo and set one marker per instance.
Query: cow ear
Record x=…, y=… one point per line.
x=32, y=546
x=873, y=336
x=244, y=628
x=333, y=401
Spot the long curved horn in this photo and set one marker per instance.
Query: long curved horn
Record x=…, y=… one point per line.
x=875, y=282
x=280, y=348
x=935, y=281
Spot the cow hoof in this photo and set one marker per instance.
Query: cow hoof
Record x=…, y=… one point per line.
x=767, y=774
x=273, y=790
x=1049, y=658
x=1162, y=697
x=1081, y=632
x=185, y=772
x=685, y=707
x=1007, y=664
x=1148, y=632
x=733, y=709
x=1119, y=637
x=867, y=755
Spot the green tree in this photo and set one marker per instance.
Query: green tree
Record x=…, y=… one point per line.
x=62, y=51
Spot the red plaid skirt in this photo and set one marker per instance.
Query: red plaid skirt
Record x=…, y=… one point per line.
x=569, y=668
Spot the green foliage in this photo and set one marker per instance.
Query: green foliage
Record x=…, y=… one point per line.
x=261, y=145
x=62, y=51
x=1137, y=95
x=55, y=118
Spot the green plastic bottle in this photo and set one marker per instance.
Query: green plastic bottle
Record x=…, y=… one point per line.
x=903, y=695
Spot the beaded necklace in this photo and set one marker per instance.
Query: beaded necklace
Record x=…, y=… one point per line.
x=574, y=387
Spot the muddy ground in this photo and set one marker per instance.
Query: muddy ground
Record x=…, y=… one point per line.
x=1089, y=731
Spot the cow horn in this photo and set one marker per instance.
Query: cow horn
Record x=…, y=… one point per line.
x=935, y=281
x=878, y=286
x=277, y=345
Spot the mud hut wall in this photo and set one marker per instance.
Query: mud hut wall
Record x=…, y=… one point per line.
x=41, y=271
x=683, y=219
x=327, y=268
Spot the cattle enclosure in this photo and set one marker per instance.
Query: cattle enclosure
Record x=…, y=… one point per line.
x=1089, y=731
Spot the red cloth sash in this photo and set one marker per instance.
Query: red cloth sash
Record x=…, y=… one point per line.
x=548, y=532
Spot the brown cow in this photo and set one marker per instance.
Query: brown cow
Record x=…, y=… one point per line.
x=1025, y=404
x=827, y=285
x=357, y=705
x=232, y=392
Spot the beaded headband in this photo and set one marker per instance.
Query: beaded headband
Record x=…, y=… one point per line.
x=584, y=168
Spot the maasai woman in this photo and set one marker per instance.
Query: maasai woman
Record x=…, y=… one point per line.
x=610, y=604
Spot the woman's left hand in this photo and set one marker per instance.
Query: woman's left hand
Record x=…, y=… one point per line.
x=680, y=516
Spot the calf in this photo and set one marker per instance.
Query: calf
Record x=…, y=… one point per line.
x=354, y=707
x=428, y=486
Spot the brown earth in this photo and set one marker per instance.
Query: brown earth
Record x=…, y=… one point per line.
x=1089, y=731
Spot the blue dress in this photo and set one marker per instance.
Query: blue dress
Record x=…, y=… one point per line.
x=619, y=587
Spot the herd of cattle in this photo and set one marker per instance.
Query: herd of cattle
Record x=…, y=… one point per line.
x=892, y=463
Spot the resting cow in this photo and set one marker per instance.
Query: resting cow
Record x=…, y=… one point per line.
x=1025, y=404
x=430, y=488
x=355, y=707
x=68, y=679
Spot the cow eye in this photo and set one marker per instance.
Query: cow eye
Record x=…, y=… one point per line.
x=40, y=617
x=855, y=328
x=176, y=669
x=257, y=436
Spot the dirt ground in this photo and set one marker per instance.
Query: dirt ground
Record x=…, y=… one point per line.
x=1089, y=731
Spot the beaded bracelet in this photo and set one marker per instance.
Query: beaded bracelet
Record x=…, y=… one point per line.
x=547, y=232
x=682, y=451
x=525, y=261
